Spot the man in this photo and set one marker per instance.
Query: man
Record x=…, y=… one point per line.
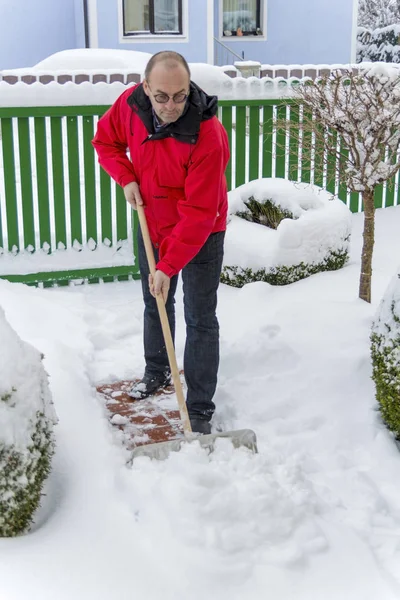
x=178, y=155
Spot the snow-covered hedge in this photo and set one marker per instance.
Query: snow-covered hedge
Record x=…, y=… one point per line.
x=280, y=231
x=378, y=45
x=26, y=431
x=385, y=353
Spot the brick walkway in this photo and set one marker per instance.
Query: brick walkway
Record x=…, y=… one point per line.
x=148, y=421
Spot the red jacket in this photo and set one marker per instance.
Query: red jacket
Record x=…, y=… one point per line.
x=180, y=170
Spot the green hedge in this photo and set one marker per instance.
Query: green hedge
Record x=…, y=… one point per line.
x=22, y=476
x=27, y=419
x=385, y=354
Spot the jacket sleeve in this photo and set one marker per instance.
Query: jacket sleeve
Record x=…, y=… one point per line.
x=111, y=144
x=205, y=185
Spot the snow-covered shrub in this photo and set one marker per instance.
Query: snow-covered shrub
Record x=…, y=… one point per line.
x=379, y=45
x=385, y=353
x=280, y=231
x=378, y=13
x=26, y=431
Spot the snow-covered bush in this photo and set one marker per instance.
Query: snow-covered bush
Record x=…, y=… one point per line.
x=385, y=353
x=378, y=13
x=379, y=45
x=26, y=431
x=280, y=231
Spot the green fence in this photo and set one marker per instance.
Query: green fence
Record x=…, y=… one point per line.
x=61, y=216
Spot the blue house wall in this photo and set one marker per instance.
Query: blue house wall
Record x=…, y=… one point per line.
x=297, y=32
x=31, y=30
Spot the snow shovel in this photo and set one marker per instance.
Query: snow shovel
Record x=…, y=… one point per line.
x=161, y=450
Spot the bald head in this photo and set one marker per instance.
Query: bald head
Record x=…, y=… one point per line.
x=169, y=60
x=167, y=84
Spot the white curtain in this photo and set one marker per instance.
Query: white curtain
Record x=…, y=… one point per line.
x=240, y=13
x=136, y=15
x=166, y=15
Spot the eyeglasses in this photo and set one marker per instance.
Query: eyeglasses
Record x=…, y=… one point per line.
x=176, y=98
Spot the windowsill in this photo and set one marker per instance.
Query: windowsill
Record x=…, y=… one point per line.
x=243, y=38
x=151, y=37
x=146, y=35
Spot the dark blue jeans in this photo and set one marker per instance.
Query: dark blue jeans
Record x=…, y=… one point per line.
x=201, y=358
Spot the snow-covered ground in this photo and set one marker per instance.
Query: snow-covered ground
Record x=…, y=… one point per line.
x=315, y=515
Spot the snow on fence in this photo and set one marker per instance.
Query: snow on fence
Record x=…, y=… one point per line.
x=126, y=76
x=77, y=76
x=62, y=218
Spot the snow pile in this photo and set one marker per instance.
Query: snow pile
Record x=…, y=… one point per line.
x=94, y=58
x=226, y=487
x=79, y=256
x=300, y=230
x=385, y=352
x=26, y=435
x=210, y=78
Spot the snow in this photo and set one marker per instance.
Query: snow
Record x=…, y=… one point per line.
x=93, y=61
x=247, y=63
x=378, y=13
x=78, y=257
x=321, y=223
x=383, y=71
x=56, y=94
x=89, y=94
x=22, y=375
x=210, y=78
x=387, y=318
x=94, y=58
x=314, y=515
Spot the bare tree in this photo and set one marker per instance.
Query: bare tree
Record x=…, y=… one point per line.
x=353, y=119
x=374, y=14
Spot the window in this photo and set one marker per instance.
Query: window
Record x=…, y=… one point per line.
x=241, y=17
x=156, y=17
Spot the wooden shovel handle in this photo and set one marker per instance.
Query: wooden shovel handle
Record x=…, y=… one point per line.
x=165, y=324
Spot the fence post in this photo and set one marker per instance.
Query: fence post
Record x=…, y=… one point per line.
x=248, y=68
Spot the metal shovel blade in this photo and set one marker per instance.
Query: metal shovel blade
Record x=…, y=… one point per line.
x=160, y=451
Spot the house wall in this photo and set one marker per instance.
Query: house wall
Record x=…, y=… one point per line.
x=306, y=31
x=194, y=48
x=31, y=30
x=298, y=31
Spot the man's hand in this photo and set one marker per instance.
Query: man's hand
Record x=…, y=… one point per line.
x=159, y=285
x=132, y=194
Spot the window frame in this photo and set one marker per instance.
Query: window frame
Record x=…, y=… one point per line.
x=260, y=24
x=151, y=32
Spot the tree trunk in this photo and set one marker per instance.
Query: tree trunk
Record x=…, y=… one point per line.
x=368, y=245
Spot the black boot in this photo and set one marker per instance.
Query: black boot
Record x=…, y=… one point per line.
x=200, y=426
x=149, y=385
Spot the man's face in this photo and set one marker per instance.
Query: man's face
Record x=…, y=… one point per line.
x=167, y=82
